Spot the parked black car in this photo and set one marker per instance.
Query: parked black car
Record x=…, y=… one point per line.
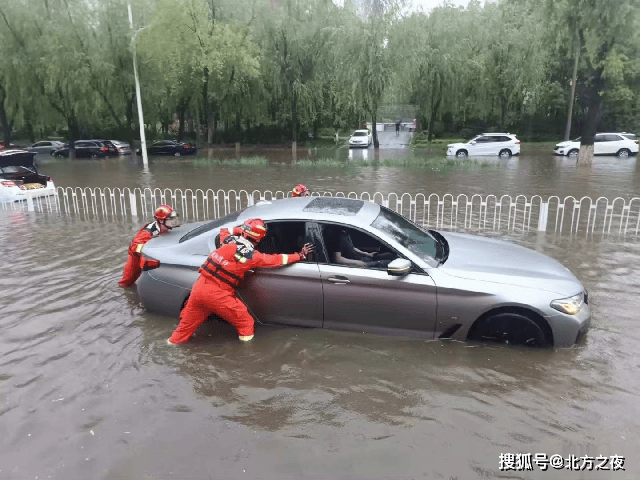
x=84, y=149
x=170, y=147
x=113, y=150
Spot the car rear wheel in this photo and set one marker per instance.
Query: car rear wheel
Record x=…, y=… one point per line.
x=624, y=153
x=177, y=154
x=94, y=155
x=573, y=153
x=509, y=328
x=505, y=153
x=461, y=154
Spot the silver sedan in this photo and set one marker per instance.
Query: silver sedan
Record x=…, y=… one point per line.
x=412, y=281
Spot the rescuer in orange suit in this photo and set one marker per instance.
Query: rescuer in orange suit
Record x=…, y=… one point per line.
x=166, y=218
x=300, y=191
x=220, y=275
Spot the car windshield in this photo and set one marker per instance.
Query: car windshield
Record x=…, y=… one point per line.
x=408, y=235
x=207, y=227
x=359, y=134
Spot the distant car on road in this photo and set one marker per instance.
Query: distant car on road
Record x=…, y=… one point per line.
x=84, y=149
x=360, y=138
x=416, y=281
x=123, y=147
x=45, y=146
x=170, y=147
x=501, y=144
x=621, y=144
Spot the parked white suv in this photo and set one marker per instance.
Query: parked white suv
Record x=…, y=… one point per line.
x=620, y=144
x=502, y=144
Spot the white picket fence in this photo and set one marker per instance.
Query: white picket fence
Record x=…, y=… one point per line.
x=447, y=212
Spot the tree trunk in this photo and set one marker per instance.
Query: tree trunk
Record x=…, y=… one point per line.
x=294, y=118
x=206, y=108
x=181, y=113
x=376, y=143
x=74, y=133
x=7, y=125
x=574, y=79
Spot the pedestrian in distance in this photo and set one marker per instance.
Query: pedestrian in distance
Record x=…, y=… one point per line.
x=398, y=123
x=300, y=191
x=221, y=273
x=166, y=218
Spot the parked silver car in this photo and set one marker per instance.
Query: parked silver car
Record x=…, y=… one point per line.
x=45, y=146
x=432, y=285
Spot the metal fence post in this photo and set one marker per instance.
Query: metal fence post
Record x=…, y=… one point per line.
x=542, y=218
x=30, y=206
x=134, y=206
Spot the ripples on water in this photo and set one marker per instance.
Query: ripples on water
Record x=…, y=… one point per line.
x=89, y=388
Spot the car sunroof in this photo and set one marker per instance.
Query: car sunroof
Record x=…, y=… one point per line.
x=337, y=206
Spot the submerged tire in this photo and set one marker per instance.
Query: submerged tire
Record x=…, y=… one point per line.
x=505, y=153
x=509, y=328
x=624, y=153
x=573, y=153
x=461, y=154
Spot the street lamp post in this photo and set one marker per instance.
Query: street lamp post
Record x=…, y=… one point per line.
x=143, y=140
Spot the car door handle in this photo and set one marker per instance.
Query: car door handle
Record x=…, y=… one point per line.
x=339, y=279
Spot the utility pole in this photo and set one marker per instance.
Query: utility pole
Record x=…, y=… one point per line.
x=143, y=140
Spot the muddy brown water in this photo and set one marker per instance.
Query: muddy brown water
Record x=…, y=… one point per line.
x=90, y=390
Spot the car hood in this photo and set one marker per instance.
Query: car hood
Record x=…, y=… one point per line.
x=456, y=145
x=499, y=261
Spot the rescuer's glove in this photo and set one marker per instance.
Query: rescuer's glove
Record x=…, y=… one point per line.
x=306, y=250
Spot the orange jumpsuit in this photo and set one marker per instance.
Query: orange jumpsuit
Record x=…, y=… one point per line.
x=214, y=291
x=132, y=269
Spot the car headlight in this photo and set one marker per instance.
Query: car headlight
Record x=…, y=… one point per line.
x=571, y=305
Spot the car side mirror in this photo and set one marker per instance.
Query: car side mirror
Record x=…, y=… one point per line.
x=399, y=267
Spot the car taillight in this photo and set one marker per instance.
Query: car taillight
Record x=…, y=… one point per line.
x=187, y=146
x=8, y=183
x=518, y=142
x=105, y=149
x=147, y=263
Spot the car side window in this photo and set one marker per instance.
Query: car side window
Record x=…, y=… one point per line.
x=598, y=138
x=347, y=246
x=284, y=237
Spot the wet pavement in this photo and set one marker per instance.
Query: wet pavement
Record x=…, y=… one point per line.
x=90, y=390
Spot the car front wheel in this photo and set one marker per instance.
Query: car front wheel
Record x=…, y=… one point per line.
x=509, y=328
x=506, y=153
x=624, y=153
x=461, y=154
x=177, y=154
x=573, y=153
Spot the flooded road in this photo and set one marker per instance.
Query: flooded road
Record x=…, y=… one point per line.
x=90, y=390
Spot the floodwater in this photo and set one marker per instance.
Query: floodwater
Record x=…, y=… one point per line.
x=90, y=390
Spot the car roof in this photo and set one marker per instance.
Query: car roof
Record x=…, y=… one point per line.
x=362, y=130
x=333, y=209
x=496, y=134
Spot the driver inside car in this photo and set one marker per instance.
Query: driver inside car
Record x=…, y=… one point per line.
x=347, y=253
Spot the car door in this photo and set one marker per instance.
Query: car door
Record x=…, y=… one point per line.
x=364, y=298
x=599, y=147
x=288, y=295
x=479, y=147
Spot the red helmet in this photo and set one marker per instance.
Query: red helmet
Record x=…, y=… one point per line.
x=167, y=216
x=254, y=229
x=300, y=191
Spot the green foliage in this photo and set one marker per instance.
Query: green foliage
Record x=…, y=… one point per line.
x=266, y=71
